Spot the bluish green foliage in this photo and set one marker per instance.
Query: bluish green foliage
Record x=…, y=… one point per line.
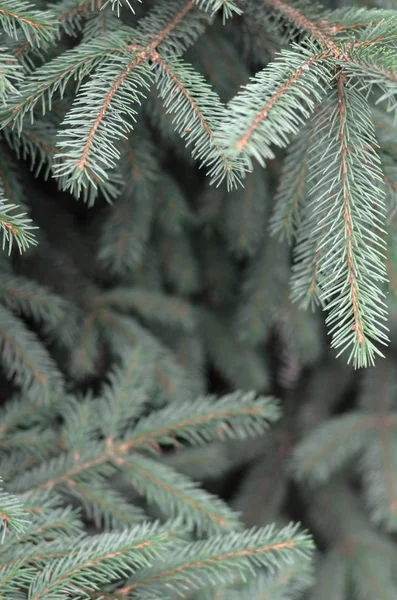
x=235, y=163
x=355, y=59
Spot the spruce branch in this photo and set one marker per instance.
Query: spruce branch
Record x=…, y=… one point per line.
x=174, y=493
x=28, y=298
x=300, y=14
x=307, y=254
x=238, y=361
x=171, y=27
x=25, y=360
x=46, y=520
x=374, y=66
x=376, y=394
x=36, y=443
x=35, y=143
x=351, y=233
x=127, y=391
x=292, y=189
x=237, y=552
x=104, y=506
x=350, y=19
x=14, y=576
x=151, y=306
x=86, y=144
x=292, y=579
x=11, y=75
x=16, y=227
x=234, y=416
x=12, y=514
x=38, y=27
x=118, y=4
x=19, y=411
x=363, y=439
x=169, y=377
x=228, y=7
x=70, y=14
x=198, y=114
x=82, y=164
x=206, y=422
x=54, y=76
x=99, y=24
x=178, y=496
x=330, y=446
x=287, y=91
x=116, y=554
x=28, y=555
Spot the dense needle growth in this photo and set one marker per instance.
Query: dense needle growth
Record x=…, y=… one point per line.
x=198, y=213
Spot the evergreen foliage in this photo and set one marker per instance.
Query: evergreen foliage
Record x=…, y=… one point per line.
x=235, y=163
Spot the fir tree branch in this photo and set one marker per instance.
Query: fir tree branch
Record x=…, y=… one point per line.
x=319, y=31
x=21, y=411
x=212, y=422
x=55, y=75
x=37, y=26
x=262, y=115
x=186, y=94
x=100, y=23
x=357, y=18
x=374, y=67
x=127, y=225
x=331, y=446
x=11, y=75
x=10, y=184
x=377, y=466
x=127, y=391
x=292, y=579
x=81, y=163
x=36, y=442
x=25, y=360
x=32, y=300
x=177, y=18
x=357, y=316
x=354, y=327
x=287, y=90
x=35, y=143
x=178, y=496
x=150, y=305
x=115, y=554
x=236, y=552
x=12, y=515
x=292, y=189
x=234, y=416
x=69, y=15
x=106, y=507
x=382, y=495
x=50, y=524
x=228, y=7
x=170, y=378
x=237, y=361
x=117, y=4
x=15, y=227
x=83, y=160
